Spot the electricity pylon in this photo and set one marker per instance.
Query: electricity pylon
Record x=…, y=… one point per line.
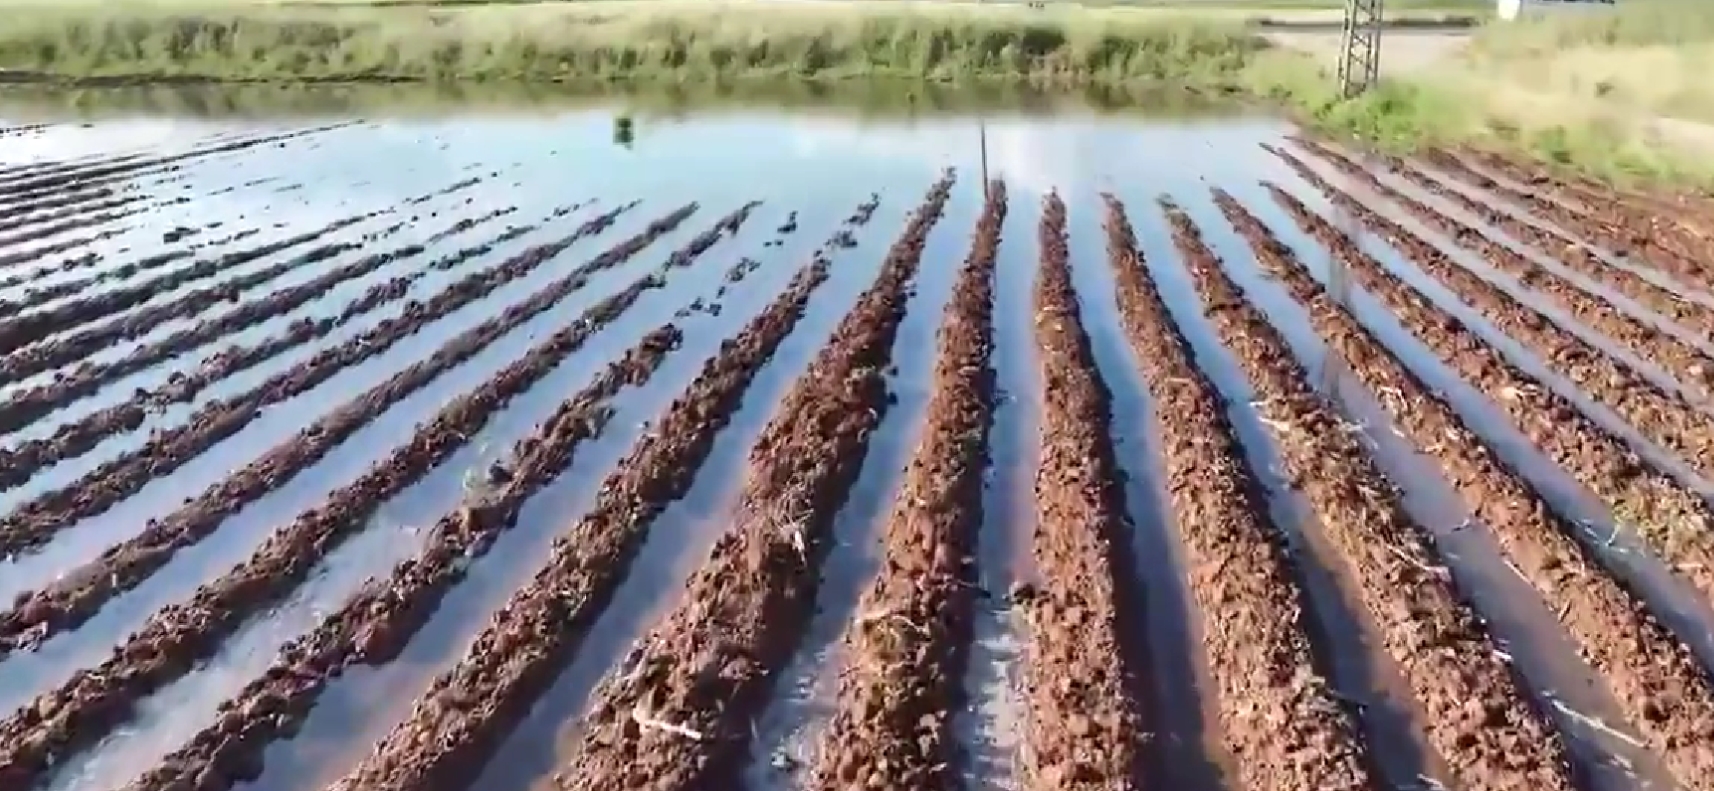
x=1360, y=47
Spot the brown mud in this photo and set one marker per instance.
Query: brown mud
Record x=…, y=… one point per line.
x=74, y=717
x=35, y=297
x=18, y=463
x=680, y=715
x=1082, y=657
x=1277, y=714
x=1671, y=519
x=1477, y=716
x=373, y=626
x=1654, y=677
x=456, y=726
x=34, y=523
x=1663, y=418
x=1687, y=364
x=1626, y=232
x=890, y=728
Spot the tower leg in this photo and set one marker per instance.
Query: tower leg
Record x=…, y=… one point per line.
x=1360, y=47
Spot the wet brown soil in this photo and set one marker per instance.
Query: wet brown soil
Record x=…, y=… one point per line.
x=1655, y=678
x=35, y=297
x=1687, y=364
x=467, y=711
x=1478, y=717
x=94, y=701
x=1673, y=520
x=1082, y=674
x=37, y=521
x=890, y=728
x=374, y=626
x=1277, y=716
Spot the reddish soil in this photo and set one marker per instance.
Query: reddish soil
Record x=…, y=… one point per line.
x=1278, y=717
x=455, y=727
x=37, y=521
x=17, y=464
x=1654, y=677
x=891, y=726
x=680, y=716
x=374, y=625
x=1478, y=718
x=1685, y=362
x=1654, y=239
x=88, y=706
x=1081, y=671
x=1674, y=521
x=1664, y=418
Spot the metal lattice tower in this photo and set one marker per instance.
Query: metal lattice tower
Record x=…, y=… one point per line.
x=1360, y=47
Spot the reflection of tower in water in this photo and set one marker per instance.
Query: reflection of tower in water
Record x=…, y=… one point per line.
x=982, y=140
x=1339, y=289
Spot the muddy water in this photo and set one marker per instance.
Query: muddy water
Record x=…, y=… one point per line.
x=821, y=166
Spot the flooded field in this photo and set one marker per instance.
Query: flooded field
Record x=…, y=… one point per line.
x=785, y=451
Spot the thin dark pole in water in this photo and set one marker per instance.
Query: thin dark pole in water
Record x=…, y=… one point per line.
x=982, y=138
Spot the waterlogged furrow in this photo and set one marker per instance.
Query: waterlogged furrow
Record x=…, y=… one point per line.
x=1478, y=717
x=34, y=298
x=374, y=625
x=1088, y=735
x=77, y=596
x=64, y=721
x=467, y=711
x=38, y=185
x=1655, y=678
x=66, y=205
x=17, y=464
x=891, y=725
x=708, y=665
x=1605, y=222
x=1561, y=247
x=35, y=233
x=1684, y=362
x=1674, y=522
x=28, y=328
x=1661, y=417
x=1278, y=714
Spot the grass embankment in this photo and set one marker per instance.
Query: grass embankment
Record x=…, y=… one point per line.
x=1620, y=94
x=642, y=42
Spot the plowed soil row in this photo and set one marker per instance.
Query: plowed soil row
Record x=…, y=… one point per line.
x=92, y=702
x=1561, y=247
x=34, y=218
x=67, y=225
x=1662, y=417
x=71, y=600
x=1081, y=663
x=31, y=327
x=1652, y=238
x=22, y=257
x=708, y=665
x=33, y=523
x=1686, y=363
x=1675, y=522
x=1477, y=717
x=1277, y=713
x=29, y=213
x=376, y=623
x=34, y=297
x=37, y=185
x=456, y=725
x=24, y=407
x=890, y=728
x=1654, y=677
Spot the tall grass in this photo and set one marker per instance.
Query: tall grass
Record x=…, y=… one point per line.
x=596, y=42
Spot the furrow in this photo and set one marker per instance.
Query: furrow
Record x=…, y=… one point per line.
x=21, y=257
x=61, y=722
x=373, y=626
x=36, y=233
x=17, y=464
x=458, y=723
x=1479, y=717
x=1649, y=237
x=71, y=208
x=40, y=614
x=1684, y=362
x=1673, y=521
x=38, y=185
x=1655, y=678
x=34, y=298
x=1661, y=417
x=707, y=666
x=1277, y=712
x=1081, y=620
x=891, y=723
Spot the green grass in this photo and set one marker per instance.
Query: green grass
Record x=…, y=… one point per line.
x=634, y=41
